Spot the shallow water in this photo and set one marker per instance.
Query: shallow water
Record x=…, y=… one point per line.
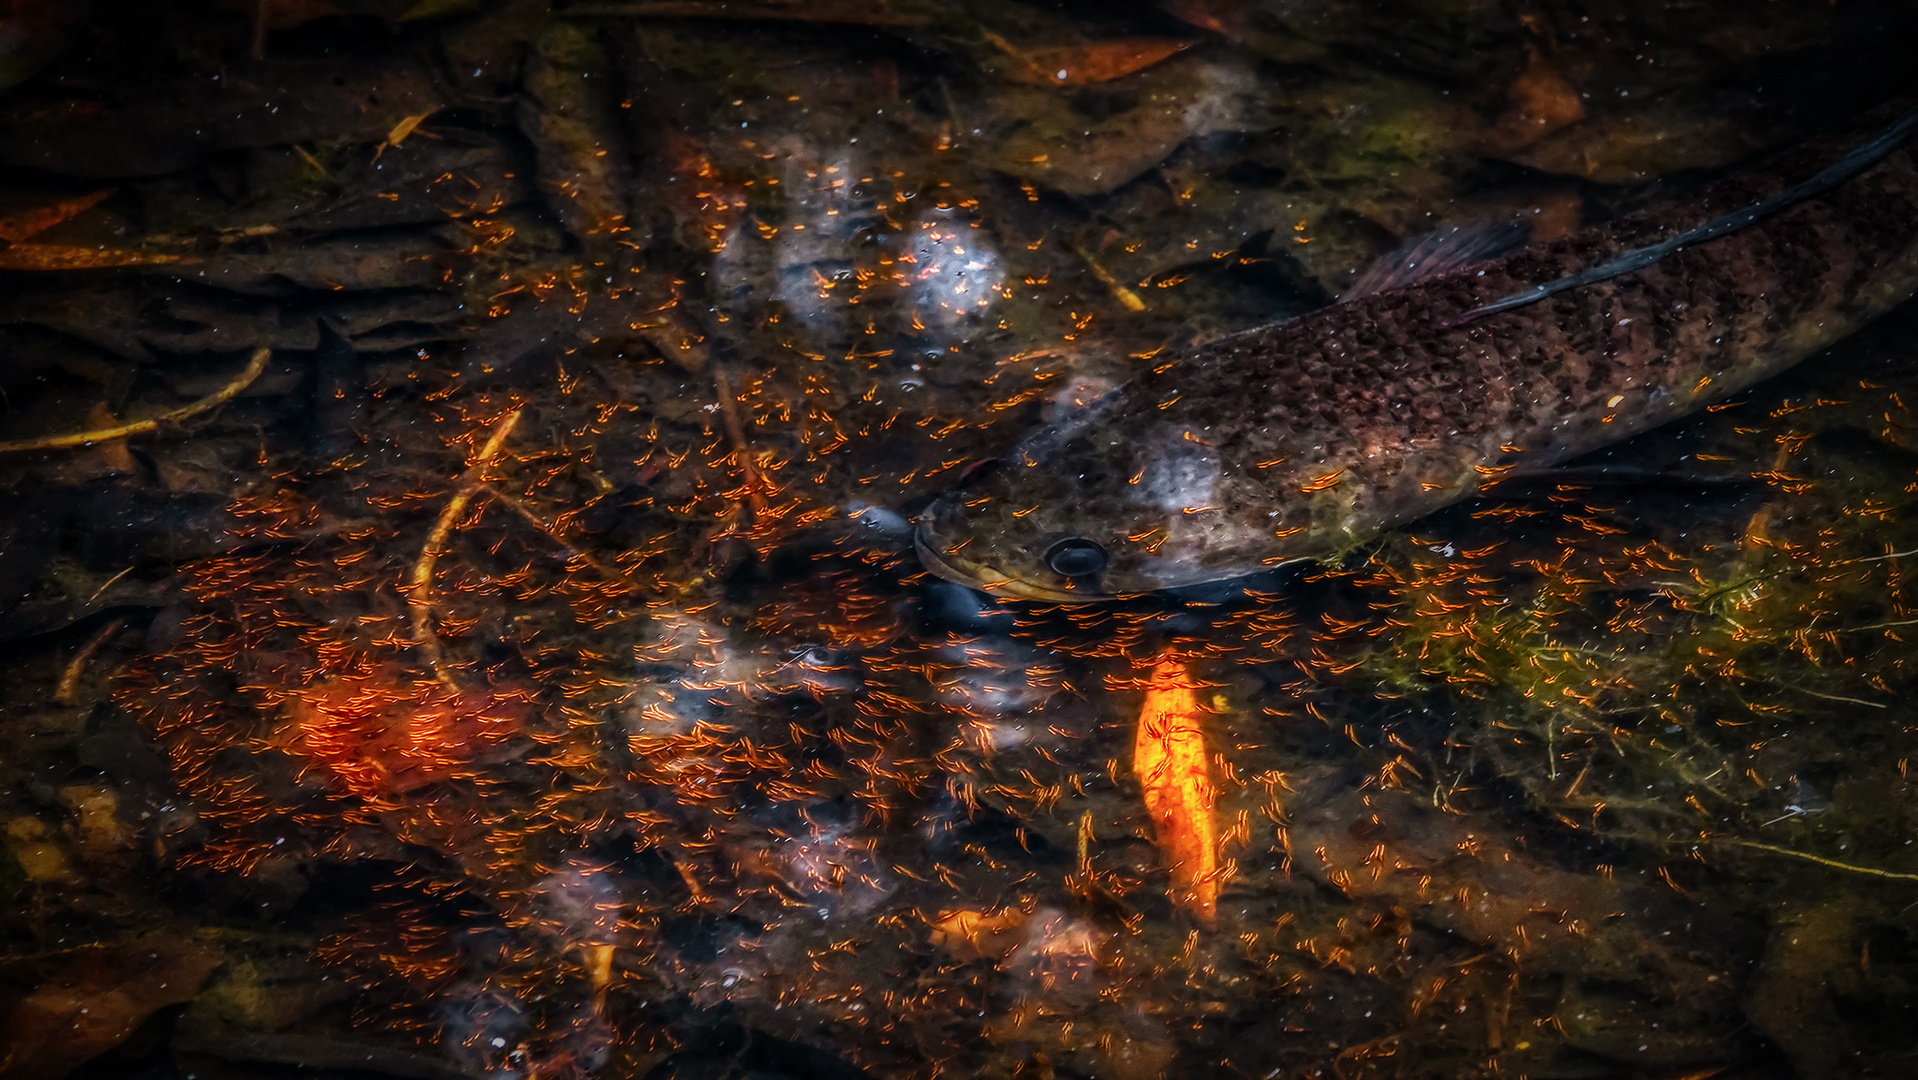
x=525, y=669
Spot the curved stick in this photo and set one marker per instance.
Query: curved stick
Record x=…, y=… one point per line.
x=141, y=427
x=419, y=594
x=1821, y=860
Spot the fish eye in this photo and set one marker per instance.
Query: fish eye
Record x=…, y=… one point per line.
x=1075, y=556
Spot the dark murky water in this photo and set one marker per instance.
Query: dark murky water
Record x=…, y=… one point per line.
x=522, y=668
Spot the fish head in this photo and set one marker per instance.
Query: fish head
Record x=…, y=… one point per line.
x=1095, y=511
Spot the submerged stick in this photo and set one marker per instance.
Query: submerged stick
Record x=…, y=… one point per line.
x=142, y=427
x=1822, y=861
x=1125, y=296
x=419, y=594
x=520, y=508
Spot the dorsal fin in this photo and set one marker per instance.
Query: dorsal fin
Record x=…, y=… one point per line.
x=1441, y=251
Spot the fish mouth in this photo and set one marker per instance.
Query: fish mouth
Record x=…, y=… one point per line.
x=988, y=580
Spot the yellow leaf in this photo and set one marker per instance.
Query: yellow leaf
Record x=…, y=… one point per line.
x=67, y=257
x=1169, y=760
x=404, y=128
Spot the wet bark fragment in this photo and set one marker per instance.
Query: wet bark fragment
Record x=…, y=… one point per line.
x=568, y=115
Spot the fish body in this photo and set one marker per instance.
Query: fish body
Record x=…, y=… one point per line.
x=1300, y=439
x=1169, y=760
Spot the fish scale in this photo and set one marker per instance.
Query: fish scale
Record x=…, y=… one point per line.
x=1296, y=440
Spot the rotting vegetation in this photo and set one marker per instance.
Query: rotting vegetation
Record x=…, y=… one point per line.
x=528, y=672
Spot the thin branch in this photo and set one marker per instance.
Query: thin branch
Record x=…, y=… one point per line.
x=1837, y=697
x=1872, y=626
x=520, y=508
x=419, y=593
x=142, y=427
x=1733, y=586
x=1822, y=861
x=97, y=593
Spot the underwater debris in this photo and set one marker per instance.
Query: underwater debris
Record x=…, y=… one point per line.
x=255, y=365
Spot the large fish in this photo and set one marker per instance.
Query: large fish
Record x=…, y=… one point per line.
x=1297, y=440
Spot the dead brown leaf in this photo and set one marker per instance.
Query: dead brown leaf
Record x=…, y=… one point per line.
x=20, y=226
x=1098, y=158
x=1638, y=146
x=94, y=997
x=16, y=255
x=113, y=457
x=1055, y=144
x=1227, y=17
x=1102, y=61
x=1541, y=102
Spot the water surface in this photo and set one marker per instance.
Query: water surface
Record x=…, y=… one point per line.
x=527, y=671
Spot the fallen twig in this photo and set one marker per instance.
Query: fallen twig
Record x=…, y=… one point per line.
x=419, y=594
x=609, y=573
x=1126, y=297
x=1839, y=697
x=1822, y=861
x=151, y=424
x=110, y=582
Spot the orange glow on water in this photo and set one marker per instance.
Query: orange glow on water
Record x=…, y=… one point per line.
x=386, y=737
x=1169, y=760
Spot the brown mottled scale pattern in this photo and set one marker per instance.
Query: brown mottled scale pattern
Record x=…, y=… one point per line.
x=1301, y=437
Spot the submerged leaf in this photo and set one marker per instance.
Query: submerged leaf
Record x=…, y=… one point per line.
x=1054, y=143
x=1541, y=102
x=405, y=127
x=1637, y=146
x=1102, y=61
x=1226, y=17
x=96, y=997
x=71, y=257
x=20, y=226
